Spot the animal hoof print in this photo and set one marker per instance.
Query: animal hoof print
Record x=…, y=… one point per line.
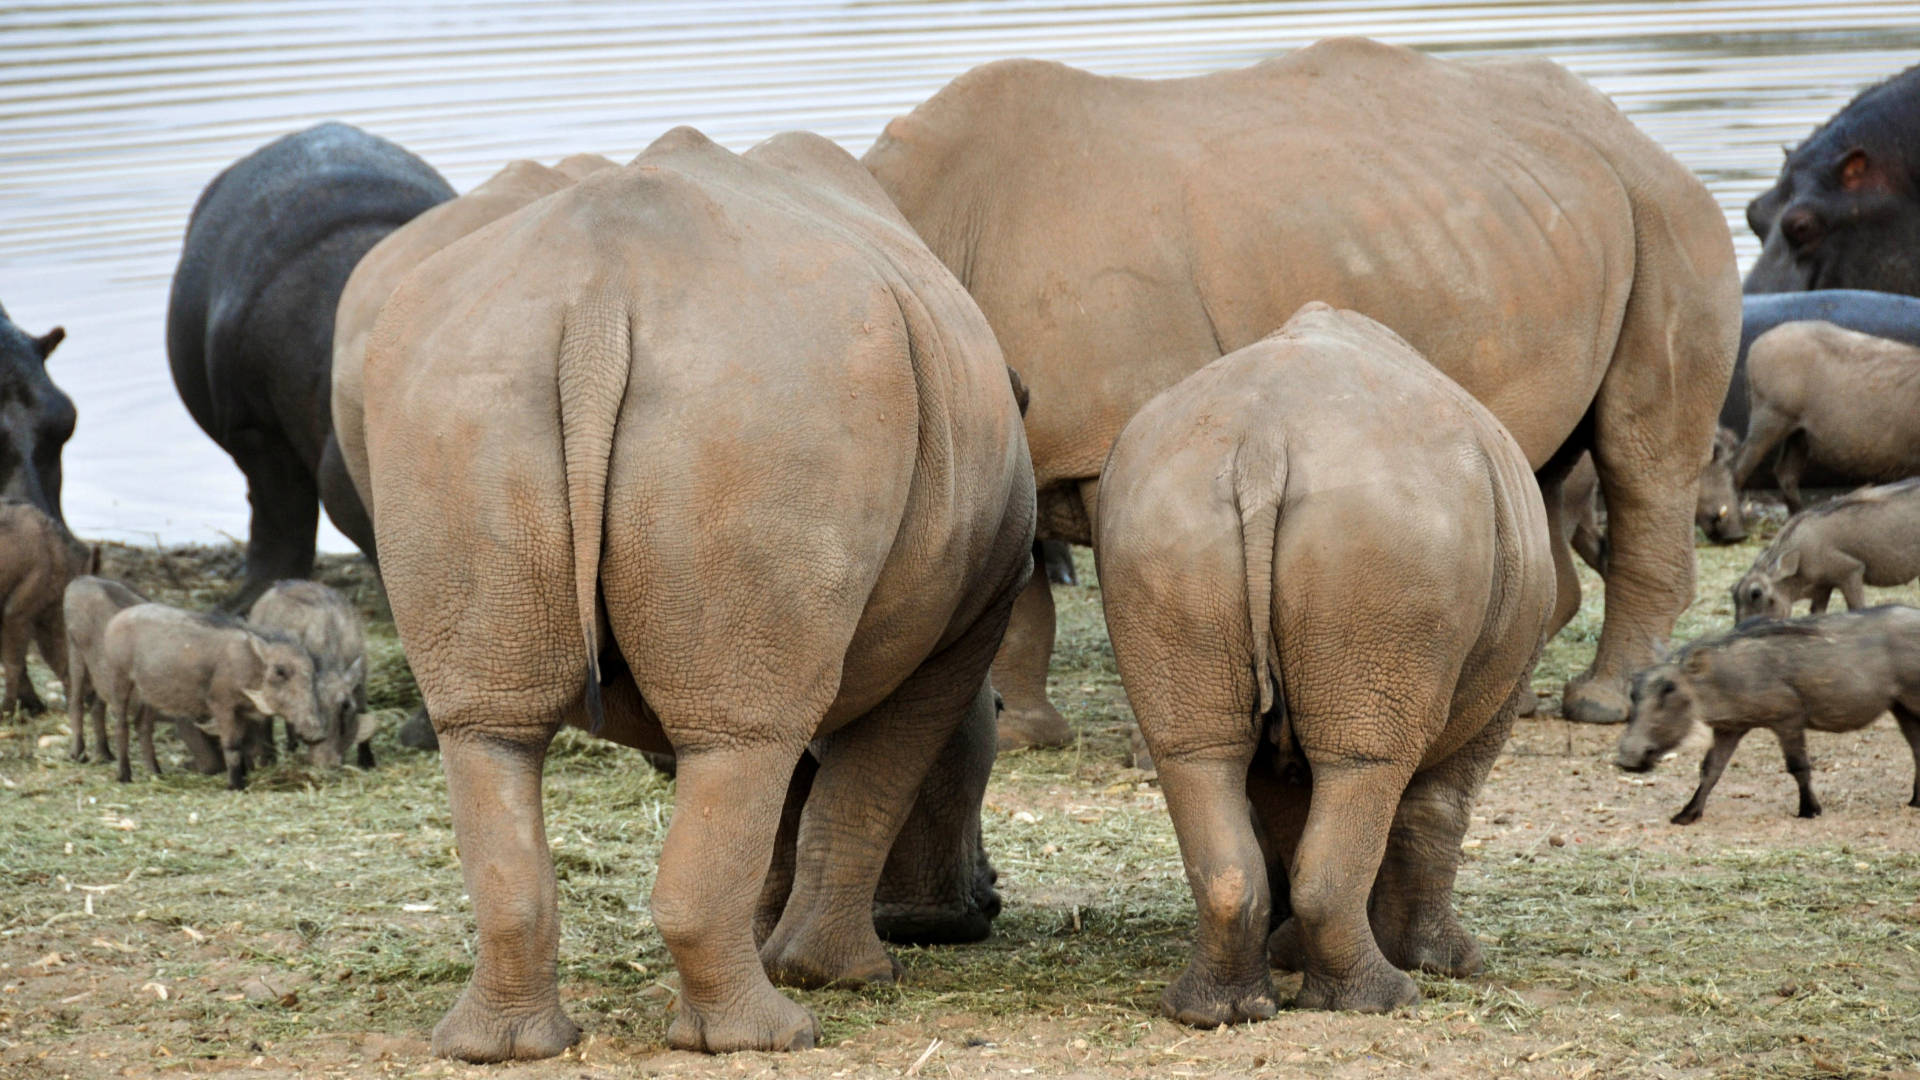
x=474, y=1032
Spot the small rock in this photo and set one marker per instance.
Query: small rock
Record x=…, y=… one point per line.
x=1502, y=819
x=1557, y=840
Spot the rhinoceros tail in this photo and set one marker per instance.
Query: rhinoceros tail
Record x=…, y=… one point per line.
x=596, y=341
x=1259, y=483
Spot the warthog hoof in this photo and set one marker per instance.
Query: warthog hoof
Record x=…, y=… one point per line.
x=767, y=1020
x=1196, y=1000
x=1591, y=701
x=474, y=1031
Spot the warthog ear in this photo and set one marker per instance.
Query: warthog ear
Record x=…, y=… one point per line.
x=357, y=670
x=1789, y=562
x=366, y=725
x=259, y=648
x=259, y=701
x=1697, y=663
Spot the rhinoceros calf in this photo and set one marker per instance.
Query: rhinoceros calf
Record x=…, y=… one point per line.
x=37, y=559
x=1320, y=552
x=1867, y=537
x=210, y=668
x=726, y=463
x=322, y=620
x=1835, y=672
x=1830, y=398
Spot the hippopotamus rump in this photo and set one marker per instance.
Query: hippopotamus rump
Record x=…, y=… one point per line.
x=1844, y=212
x=36, y=419
x=250, y=323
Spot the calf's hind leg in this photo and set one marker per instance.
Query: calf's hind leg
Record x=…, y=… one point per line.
x=1354, y=803
x=1411, y=908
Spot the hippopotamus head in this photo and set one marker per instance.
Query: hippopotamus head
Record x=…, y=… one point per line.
x=1845, y=211
x=35, y=418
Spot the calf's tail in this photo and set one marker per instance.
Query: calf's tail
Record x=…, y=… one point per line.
x=596, y=342
x=1259, y=484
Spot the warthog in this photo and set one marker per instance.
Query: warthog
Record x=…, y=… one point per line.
x=322, y=620
x=211, y=668
x=1868, y=537
x=37, y=559
x=1833, y=672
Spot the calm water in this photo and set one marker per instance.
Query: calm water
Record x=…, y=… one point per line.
x=113, y=116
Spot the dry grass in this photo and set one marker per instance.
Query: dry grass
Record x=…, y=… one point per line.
x=317, y=922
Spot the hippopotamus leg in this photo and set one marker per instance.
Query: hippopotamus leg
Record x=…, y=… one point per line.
x=286, y=512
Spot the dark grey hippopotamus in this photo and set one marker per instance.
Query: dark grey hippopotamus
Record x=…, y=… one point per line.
x=250, y=323
x=1845, y=213
x=36, y=419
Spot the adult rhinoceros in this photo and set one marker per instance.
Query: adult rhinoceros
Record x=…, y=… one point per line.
x=1503, y=217
x=719, y=435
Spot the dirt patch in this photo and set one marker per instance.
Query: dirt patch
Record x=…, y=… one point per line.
x=316, y=924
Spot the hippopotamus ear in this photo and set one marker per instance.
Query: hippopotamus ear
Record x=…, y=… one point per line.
x=1858, y=172
x=44, y=344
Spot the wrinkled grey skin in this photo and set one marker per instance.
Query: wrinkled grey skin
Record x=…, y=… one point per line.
x=1843, y=213
x=209, y=668
x=36, y=418
x=37, y=559
x=268, y=249
x=1830, y=399
x=1834, y=672
x=1327, y=574
x=1716, y=506
x=322, y=620
x=1867, y=537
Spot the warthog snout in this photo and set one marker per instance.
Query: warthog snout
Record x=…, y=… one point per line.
x=1636, y=759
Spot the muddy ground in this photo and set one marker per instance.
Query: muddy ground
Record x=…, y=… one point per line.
x=315, y=924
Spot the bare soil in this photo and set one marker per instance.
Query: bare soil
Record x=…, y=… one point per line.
x=315, y=924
